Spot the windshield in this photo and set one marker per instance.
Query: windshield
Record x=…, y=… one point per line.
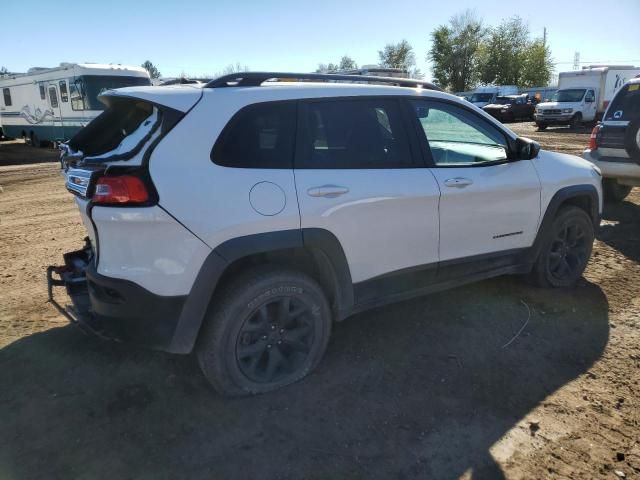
x=481, y=97
x=626, y=104
x=573, y=95
x=85, y=89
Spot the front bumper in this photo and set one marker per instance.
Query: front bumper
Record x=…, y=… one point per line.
x=624, y=170
x=113, y=308
x=553, y=119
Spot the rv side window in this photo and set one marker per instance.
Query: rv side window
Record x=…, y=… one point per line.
x=7, y=97
x=53, y=97
x=64, y=95
x=77, y=96
x=43, y=94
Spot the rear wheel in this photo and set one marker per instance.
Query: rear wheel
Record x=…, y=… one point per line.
x=270, y=329
x=566, y=250
x=613, y=191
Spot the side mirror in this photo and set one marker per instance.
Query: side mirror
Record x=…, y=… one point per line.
x=526, y=149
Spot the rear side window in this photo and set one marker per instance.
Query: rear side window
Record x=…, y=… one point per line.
x=362, y=134
x=43, y=94
x=6, y=93
x=259, y=136
x=626, y=104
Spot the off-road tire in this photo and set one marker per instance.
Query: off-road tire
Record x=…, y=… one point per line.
x=546, y=270
x=613, y=191
x=234, y=325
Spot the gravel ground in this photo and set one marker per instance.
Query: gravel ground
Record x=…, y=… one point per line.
x=421, y=389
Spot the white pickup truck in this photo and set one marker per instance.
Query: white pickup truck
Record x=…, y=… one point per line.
x=583, y=95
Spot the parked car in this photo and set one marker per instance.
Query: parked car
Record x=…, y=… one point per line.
x=483, y=96
x=511, y=108
x=583, y=95
x=615, y=143
x=242, y=219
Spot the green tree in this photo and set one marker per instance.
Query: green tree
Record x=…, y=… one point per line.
x=151, y=68
x=3, y=70
x=399, y=55
x=327, y=68
x=454, y=52
x=502, y=54
x=347, y=63
x=537, y=65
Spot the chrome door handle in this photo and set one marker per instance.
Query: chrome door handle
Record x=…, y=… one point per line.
x=327, y=191
x=458, y=182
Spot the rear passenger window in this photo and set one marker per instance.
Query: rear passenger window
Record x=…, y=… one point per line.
x=259, y=136
x=626, y=104
x=7, y=97
x=354, y=134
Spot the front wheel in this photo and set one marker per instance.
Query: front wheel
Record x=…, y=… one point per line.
x=576, y=121
x=270, y=329
x=541, y=126
x=613, y=191
x=565, y=250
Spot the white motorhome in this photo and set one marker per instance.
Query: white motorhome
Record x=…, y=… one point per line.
x=483, y=96
x=583, y=95
x=52, y=104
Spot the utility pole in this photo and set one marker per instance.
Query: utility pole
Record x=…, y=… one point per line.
x=544, y=37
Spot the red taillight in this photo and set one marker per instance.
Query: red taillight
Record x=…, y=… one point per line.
x=593, y=139
x=122, y=189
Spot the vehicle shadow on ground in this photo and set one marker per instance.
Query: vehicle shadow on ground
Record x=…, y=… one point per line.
x=421, y=389
x=19, y=153
x=620, y=229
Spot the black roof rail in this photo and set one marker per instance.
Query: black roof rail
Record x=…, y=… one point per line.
x=255, y=79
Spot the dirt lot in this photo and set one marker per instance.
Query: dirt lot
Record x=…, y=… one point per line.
x=423, y=389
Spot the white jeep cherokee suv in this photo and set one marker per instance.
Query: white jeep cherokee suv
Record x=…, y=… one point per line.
x=242, y=219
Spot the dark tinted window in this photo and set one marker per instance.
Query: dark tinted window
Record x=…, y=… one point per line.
x=354, y=134
x=626, y=104
x=43, y=94
x=64, y=95
x=259, y=136
x=7, y=97
x=53, y=97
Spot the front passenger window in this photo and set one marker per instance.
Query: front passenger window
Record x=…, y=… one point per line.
x=457, y=137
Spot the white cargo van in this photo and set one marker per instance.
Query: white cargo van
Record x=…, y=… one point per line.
x=583, y=95
x=483, y=96
x=53, y=104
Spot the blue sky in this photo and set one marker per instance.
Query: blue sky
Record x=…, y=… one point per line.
x=202, y=37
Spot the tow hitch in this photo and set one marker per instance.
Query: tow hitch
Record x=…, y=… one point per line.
x=72, y=276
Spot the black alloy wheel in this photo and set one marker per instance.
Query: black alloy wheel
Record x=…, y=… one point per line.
x=569, y=252
x=275, y=340
x=267, y=328
x=565, y=250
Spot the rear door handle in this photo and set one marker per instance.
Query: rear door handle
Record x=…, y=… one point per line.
x=327, y=191
x=458, y=182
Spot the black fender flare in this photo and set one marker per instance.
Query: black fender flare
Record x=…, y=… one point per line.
x=558, y=199
x=320, y=243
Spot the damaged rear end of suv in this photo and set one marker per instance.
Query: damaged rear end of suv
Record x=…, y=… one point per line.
x=106, y=166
